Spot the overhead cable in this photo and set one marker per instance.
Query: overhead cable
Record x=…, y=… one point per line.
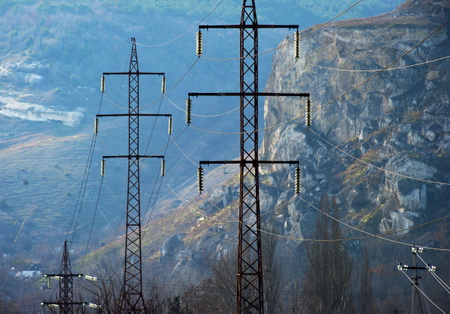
x=204, y=116
x=337, y=97
x=376, y=167
x=433, y=273
x=423, y=293
x=185, y=33
x=92, y=225
x=290, y=42
x=368, y=233
x=376, y=70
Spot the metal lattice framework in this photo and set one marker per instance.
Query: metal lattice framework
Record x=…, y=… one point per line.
x=132, y=287
x=65, y=293
x=65, y=297
x=250, y=292
x=250, y=273
x=133, y=259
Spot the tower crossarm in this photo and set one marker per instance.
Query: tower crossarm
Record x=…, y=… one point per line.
x=134, y=156
x=134, y=73
x=251, y=94
x=254, y=163
x=134, y=115
x=252, y=26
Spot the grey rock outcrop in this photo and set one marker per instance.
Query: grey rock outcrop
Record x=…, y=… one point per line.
x=378, y=137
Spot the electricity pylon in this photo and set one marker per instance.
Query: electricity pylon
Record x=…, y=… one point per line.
x=250, y=292
x=64, y=301
x=133, y=301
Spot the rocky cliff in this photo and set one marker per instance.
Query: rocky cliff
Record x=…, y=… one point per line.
x=380, y=134
x=379, y=140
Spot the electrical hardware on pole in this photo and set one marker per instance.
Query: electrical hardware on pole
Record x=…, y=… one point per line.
x=415, y=293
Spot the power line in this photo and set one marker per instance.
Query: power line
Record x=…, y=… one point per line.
x=84, y=181
x=433, y=273
x=376, y=167
x=288, y=43
x=92, y=224
x=370, y=235
x=157, y=192
x=337, y=97
x=366, y=232
x=174, y=86
x=423, y=293
x=182, y=77
x=204, y=116
x=185, y=33
x=376, y=70
x=161, y=97
x=386, y=67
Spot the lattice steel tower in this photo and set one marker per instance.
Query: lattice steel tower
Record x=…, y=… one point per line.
x=250, y=292
x=65, y=295
x=132, y=286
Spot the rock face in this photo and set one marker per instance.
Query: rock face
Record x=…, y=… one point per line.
x=380, y=137
x=380, y=114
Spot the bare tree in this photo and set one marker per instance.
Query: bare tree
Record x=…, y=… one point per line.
x=271, y=271
x=107, y=291
x=327, y=286
x=216, y=294
x=366, y=304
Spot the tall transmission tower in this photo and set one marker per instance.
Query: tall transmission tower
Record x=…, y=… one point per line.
x=65, y=302
x=133, y=300
x=250, y=292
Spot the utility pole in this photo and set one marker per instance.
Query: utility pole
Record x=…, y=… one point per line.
x=65, y=296
x=133, y=301
x=415, y=293
x=250, y=292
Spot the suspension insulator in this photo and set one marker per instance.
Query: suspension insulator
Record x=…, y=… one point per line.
x=102, y=168
x=298, y=180
x=199, y=44
x=102, y=84
x=163, y=85
x=96, y=126
x=200, y=179
x=188, y=111
x=308, y=120
x=48, y=282
x=170, y=127
x=163, y=168
x=297, y=44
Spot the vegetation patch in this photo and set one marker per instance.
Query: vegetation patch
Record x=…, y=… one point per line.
x=356, y=172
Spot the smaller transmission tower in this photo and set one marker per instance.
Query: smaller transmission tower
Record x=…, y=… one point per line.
x=65, y=296
x=133, y=301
